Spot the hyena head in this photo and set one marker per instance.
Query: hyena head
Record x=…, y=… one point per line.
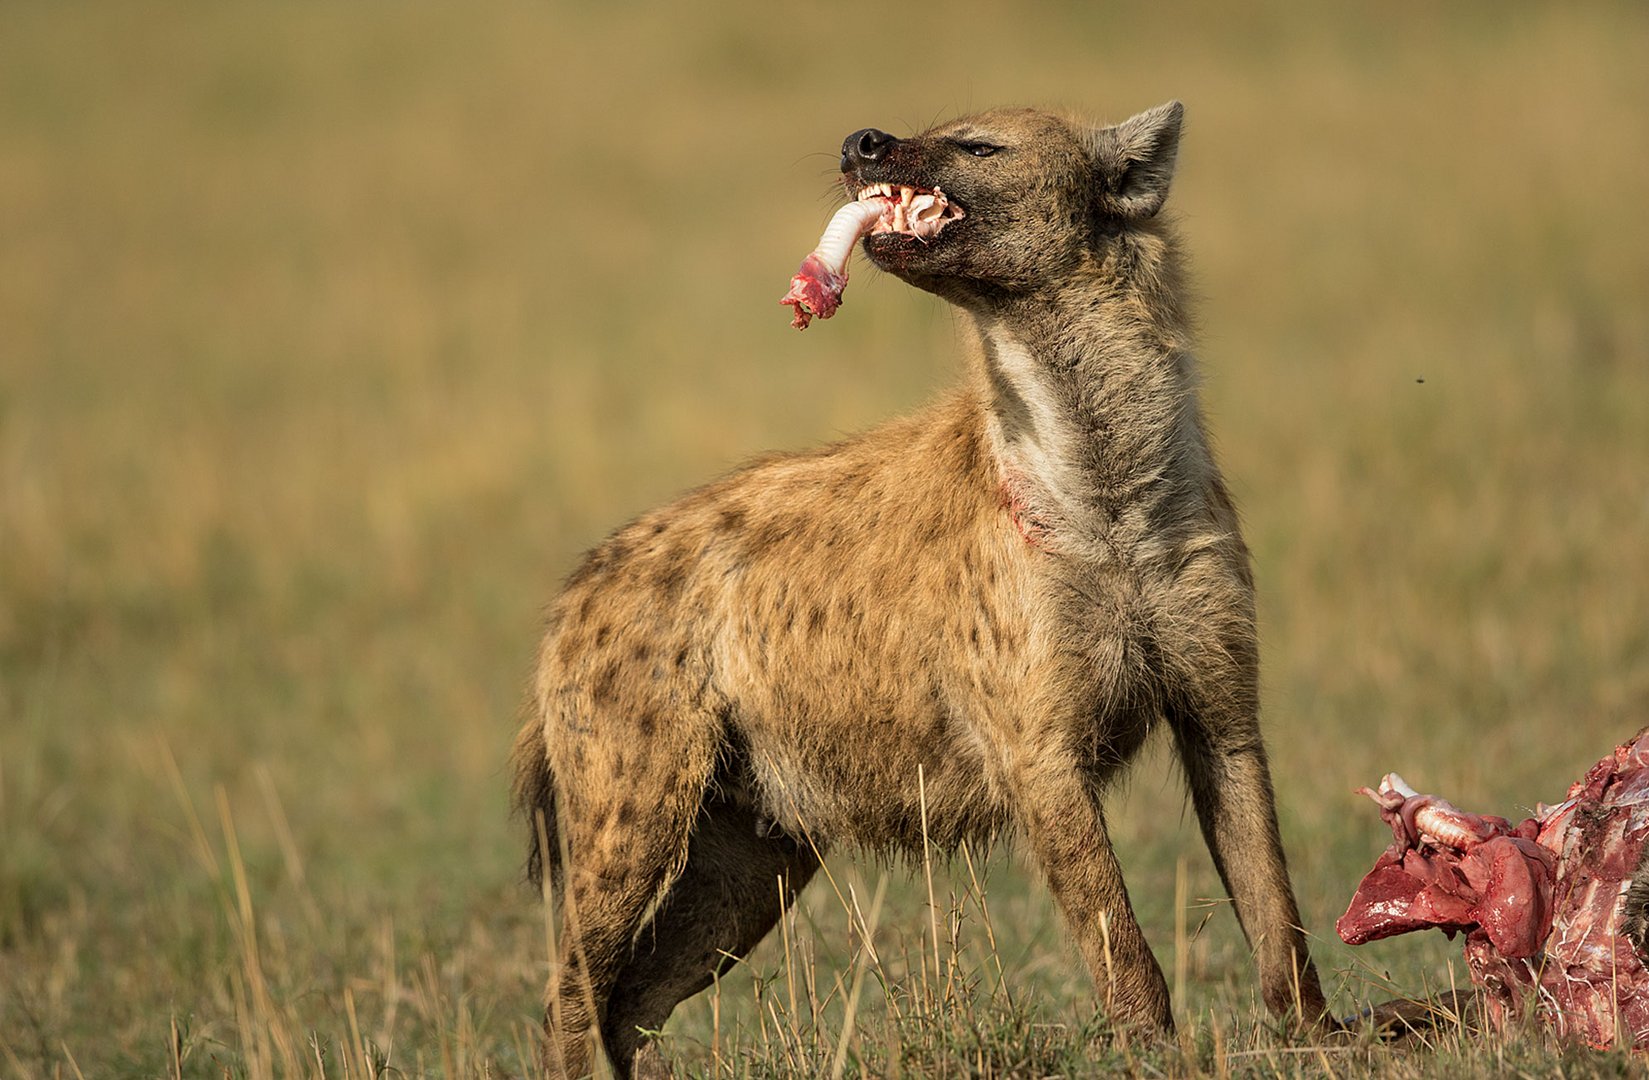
x=1029, y=196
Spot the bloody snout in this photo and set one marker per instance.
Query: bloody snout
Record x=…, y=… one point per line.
x=865, y=146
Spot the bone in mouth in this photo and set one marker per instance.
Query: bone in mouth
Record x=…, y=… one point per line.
x=816, y=290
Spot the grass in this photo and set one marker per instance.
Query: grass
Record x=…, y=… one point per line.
x=329, y=335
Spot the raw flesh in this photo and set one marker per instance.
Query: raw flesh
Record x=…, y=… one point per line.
x=816, y=290
x=1552, y=911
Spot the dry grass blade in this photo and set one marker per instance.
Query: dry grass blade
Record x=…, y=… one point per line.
x=288, y=844
x=861, y=964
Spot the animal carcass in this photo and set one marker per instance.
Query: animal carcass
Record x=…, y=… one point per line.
x=1555, y=909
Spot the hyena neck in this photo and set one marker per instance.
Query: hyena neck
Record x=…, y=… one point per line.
x=1093, y=420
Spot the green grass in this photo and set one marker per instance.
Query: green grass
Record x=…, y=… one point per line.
x=330, y=334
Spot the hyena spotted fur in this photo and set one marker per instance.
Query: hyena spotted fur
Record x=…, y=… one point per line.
x=1006, y=592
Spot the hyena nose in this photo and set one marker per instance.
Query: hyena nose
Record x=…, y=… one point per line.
x=865, y=145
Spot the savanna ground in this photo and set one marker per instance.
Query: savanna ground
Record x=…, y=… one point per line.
x=330, y=334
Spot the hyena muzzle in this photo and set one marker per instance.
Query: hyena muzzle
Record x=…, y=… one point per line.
x=979, y=612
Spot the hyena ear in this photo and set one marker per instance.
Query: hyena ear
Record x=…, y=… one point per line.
x=1134, y=161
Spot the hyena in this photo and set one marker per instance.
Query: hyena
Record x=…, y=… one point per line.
x=976, y=614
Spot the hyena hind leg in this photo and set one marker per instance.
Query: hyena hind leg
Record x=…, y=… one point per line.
x=736, y=885
x=627, y=824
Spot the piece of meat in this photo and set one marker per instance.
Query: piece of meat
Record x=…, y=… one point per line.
x=1450, y=869
x=816, y=290
x=1554, y=909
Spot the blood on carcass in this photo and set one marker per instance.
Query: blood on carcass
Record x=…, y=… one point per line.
x=1555, y=909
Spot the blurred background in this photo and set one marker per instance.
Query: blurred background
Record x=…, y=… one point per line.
x=330, y=334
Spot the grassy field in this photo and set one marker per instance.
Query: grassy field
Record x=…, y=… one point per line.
x=330, y=334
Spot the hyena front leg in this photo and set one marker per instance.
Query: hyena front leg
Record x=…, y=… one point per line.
x=1225, y=767
x=1060, y=811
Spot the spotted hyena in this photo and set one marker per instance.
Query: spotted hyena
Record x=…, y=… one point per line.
x=987, y=607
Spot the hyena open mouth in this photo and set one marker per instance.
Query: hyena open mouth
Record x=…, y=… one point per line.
x=878, y=210
x=913, y=211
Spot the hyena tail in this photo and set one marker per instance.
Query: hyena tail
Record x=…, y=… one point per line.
x=534, y=799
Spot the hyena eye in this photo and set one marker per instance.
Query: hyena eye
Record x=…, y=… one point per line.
x=976, y=148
